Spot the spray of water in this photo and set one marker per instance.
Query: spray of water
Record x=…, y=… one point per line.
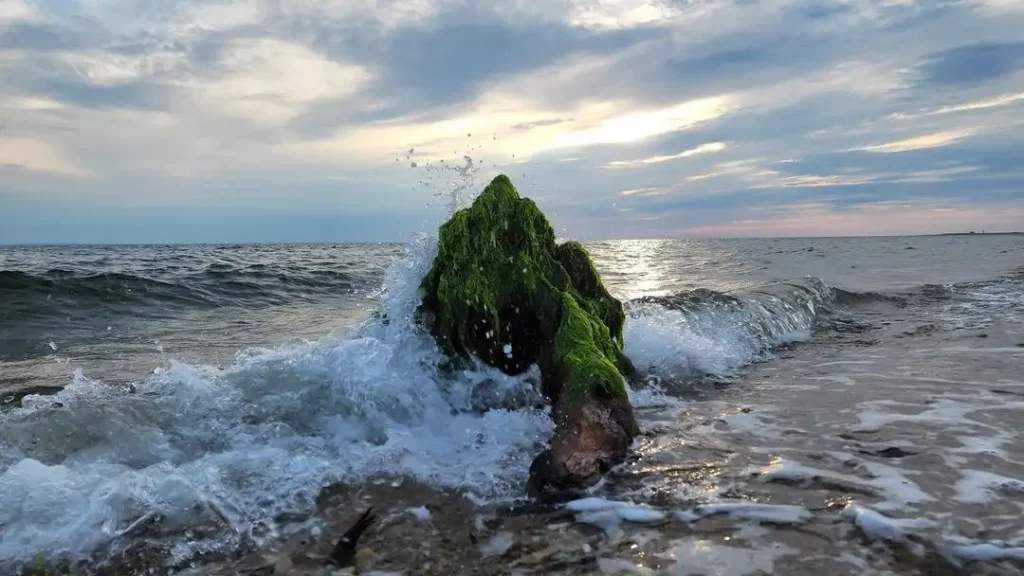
x=198, y=457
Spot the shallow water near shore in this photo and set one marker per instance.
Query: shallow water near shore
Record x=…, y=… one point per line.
x=841, y=406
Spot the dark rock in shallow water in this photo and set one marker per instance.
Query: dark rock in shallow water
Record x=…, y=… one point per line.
x=503, y=291
x=344, y=552
x=890, y=452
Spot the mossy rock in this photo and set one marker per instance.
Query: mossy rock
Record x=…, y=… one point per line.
x=502, y=290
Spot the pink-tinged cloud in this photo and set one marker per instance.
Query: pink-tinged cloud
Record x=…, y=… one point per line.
x=708, y=148
x=935, y=140
x=878, y=219
x=1002, y=100
x=652, y=191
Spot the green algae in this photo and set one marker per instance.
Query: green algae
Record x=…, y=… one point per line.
x=501, y=289
x=582, y=346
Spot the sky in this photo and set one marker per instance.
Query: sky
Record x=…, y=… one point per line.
x=138, y=121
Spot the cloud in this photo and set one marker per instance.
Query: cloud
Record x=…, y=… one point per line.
x=937, y=175
x=271, y=81
x=35, y=155
x=868, y=219
x=776, y=179
x=935, y=140
x=34, y=104
x=1000, y=7
x=652, y=191
x=974, y=63
x=618, y=14
x=1001, y=100
x=451, y=56
x=702, y=149
x=630, y=127
x=17, y=33
x=816, y=181
x=539, y=123
x=14, y=10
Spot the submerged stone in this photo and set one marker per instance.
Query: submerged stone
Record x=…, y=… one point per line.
x=503, y=291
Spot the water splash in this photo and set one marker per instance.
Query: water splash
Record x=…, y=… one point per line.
x=458, y=182
x=198, y=457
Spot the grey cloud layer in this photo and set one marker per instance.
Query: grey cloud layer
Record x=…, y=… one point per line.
x=836, y=104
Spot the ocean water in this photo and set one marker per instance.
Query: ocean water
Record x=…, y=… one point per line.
x=850, y=406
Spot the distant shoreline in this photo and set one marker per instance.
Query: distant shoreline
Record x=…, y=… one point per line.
x=979, y=234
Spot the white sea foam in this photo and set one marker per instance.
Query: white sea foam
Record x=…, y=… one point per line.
x=766, y=513
x=497, y=545
x=622, y=510
x=945, y=411
x=988, y=445
x=880, y=527
x=899, y=492
x=258, y=438
x=609, y=514
x=987, y=551
x=977, y=487
x=420, y=512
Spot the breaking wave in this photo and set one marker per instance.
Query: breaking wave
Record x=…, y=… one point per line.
x=703, y=332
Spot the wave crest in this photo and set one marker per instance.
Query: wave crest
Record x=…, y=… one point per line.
x=703, y=332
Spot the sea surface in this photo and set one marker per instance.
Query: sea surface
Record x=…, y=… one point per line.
x=809, y=406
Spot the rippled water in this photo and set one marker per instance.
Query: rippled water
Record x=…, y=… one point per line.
x=841, y=405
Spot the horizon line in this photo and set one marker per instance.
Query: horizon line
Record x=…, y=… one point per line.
x=402, y=242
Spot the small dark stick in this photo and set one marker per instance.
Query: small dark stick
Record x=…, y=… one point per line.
x=344, y=552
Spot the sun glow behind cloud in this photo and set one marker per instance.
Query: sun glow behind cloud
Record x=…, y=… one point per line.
x=628, y=127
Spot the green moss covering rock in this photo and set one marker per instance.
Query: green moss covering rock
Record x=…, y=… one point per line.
x=503, y=291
